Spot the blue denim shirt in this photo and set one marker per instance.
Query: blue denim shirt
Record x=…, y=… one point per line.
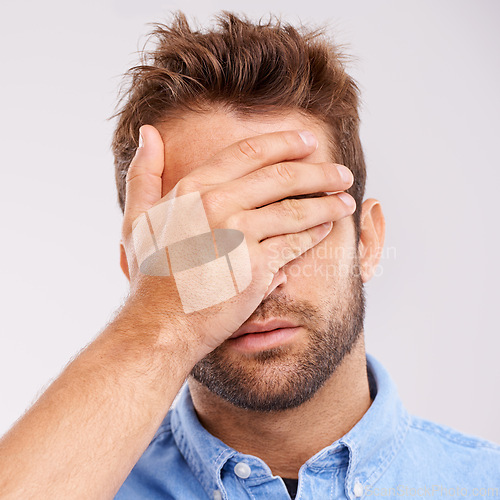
x=388, y=453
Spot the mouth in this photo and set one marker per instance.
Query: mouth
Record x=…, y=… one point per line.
x=254, y=337
x=262, y=327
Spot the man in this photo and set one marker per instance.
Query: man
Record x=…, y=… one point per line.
x=246, y=241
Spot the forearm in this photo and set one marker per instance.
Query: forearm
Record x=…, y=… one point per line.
x=86, y=432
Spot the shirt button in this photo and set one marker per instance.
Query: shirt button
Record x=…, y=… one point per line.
x=358, y=489
x=217, y=495
x=243, y=470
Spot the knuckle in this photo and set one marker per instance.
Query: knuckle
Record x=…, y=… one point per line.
x=186, y=185
x=214, y=199
x=235, y=221
x=190, y=184
x=294, y=208
x=285, y=173
x=250, y=149
x=132, y=172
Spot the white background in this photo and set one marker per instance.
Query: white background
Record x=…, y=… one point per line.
x=429, y=74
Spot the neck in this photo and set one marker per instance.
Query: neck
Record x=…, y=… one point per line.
x=301, y=431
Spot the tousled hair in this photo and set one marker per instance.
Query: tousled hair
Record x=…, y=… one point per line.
x=248, y=68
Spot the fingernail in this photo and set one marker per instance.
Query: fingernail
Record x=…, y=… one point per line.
x=348, y=200
x=141, y=139
x=327, y=224
x=345, y=173
x=308, y=138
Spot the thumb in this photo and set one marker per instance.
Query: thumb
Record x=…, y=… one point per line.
x=144, y=176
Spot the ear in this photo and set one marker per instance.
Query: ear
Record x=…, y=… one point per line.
x=372, y=237
x=123, y=261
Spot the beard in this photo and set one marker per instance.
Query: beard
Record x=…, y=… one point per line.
x=280, y=378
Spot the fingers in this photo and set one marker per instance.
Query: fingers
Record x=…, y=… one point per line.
x=282, y=180
x=252, y=153
x=280, y=250
x=295, y=215
x=144, y=176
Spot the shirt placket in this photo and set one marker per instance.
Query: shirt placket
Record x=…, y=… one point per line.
x=248, y=477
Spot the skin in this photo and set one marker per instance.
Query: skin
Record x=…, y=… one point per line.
x=344, y=398
x=85, y=433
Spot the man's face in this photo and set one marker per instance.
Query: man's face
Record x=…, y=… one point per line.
x=321, y=290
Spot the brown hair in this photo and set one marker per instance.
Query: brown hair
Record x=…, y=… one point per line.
x=249, y=68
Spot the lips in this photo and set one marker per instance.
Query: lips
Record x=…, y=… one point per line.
x=261, y=327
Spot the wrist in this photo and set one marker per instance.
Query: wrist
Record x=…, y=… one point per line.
x=166, y=335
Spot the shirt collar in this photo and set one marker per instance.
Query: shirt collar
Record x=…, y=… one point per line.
x=372, y=443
